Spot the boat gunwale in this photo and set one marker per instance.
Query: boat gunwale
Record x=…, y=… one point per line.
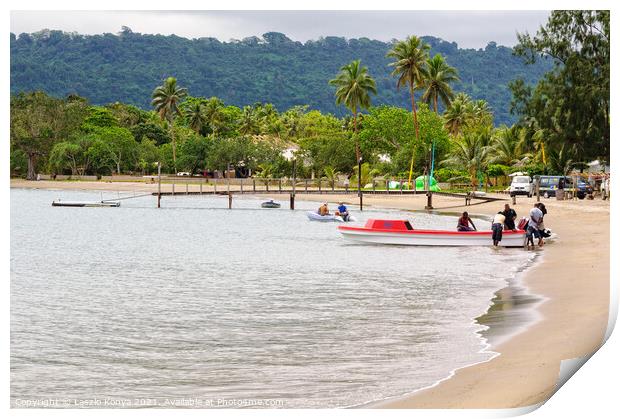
x=429, y=232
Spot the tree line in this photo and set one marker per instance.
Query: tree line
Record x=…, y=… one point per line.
x=270, y=68
x=198, y=134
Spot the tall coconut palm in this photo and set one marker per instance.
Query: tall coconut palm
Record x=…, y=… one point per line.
x=410, y=66
x=437, y=82
x=166, y=100
x=456, y=116
x=353, y=88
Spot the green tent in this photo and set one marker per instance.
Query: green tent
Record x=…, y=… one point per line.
x=419, y=183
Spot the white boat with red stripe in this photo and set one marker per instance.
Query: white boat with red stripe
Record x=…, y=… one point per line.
x=400, y=232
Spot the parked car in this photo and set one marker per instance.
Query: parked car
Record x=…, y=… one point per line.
x=549, y=186
x=183, y=174
x=521, y=185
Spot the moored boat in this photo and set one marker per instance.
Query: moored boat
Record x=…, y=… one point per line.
x=270, y=204
x=60, y=203
x=401, y=232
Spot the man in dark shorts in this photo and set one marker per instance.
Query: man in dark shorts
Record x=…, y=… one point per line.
x=496, y=226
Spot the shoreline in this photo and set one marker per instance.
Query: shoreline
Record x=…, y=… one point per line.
x=572, y=278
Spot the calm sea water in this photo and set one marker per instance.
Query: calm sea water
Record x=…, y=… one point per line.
x=234, y=307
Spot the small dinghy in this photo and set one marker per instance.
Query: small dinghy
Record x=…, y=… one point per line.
x=270, y=204
x=401, y=232
x=60, y=203
x=313, y=216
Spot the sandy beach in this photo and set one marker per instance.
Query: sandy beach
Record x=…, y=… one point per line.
x=573, y=275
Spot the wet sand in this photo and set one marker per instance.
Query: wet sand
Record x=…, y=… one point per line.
x=572, y=276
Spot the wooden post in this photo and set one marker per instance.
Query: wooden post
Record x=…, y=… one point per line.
x=401, y=186
x=173, y=187
x=229, y=200
x=280, y=185
x=158, y=184
x=387, y=185
x=267, y=184
x=215, y=185
x=253, y=185
x=359, y=183
x=306, y=185
x=200, y=188
x=514, y=200
x=187, y=188
x=538, y=190
x=241, y=185
x=292, y=202
x=373, y=186
x=294, y=176
x=319, y=185
x=429, y=200
x=227, y=184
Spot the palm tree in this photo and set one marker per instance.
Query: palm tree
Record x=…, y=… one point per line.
x=471, y=153
x=214, y=115
x=248, y=123
x=368, y=174
x=166, y=100
x=506, y=146
x=353, y=88
x=410, y=63
x=456, y=116
x=195, y=117
x=562, y=160
x=437, y=82
x=331, y=174
x=479, y=112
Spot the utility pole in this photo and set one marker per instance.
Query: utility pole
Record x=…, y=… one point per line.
x=292, y=200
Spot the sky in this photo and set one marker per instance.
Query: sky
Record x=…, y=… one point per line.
x=470, y=29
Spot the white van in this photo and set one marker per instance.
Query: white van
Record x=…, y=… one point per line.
x=521, y=185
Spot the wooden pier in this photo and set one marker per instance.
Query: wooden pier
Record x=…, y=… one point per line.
x=224, y=187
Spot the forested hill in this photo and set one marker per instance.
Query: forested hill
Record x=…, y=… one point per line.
x=128, y=66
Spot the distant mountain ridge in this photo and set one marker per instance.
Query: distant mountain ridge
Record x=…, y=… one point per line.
x=272, y=68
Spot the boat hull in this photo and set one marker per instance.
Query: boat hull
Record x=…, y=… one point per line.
x=431, y=237
x=313, y=216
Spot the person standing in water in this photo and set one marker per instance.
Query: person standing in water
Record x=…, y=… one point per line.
x=533, y=226
x=497, y=227
x=464, y=222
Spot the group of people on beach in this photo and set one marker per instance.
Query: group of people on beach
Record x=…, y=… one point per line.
x=506, y=219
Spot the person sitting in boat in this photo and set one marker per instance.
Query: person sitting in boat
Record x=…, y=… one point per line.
x=323, y=210
x=343, y=211
x=464, y=222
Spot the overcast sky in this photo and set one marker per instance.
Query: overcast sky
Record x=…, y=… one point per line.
x=470, y=29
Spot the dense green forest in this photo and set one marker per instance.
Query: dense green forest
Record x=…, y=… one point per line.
x=109, y=68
